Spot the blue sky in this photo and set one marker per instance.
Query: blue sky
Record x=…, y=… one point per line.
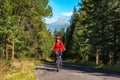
x=61, y=8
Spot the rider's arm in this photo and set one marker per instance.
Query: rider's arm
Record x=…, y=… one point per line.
x=53, y=46
x=63, y=47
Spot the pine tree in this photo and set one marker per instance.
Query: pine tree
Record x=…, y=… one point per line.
x=21, y=23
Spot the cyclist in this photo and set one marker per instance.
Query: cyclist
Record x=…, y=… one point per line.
x=58, y=47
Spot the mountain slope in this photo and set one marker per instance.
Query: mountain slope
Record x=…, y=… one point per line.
x=60, y=23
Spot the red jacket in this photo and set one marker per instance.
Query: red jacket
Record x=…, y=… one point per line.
x=58, y=45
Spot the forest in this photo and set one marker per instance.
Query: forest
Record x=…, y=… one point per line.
x=93, y=34
x=22, y=28
x=23, y=34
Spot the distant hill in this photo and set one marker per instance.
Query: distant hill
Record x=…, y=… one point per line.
x=60, y=23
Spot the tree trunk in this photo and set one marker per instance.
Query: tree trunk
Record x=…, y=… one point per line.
x=13, y=51
x=86, y=57
x=6, y=51
x=97, y=57
x=110, y=59
x=118, y=61
x=3, y=52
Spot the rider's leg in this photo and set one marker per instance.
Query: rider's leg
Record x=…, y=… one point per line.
x=60, y=52
x=55, y=58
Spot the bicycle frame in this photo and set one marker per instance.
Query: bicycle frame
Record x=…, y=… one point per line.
x=58, y=61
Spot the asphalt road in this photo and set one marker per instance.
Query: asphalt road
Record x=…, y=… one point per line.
x=71, y=71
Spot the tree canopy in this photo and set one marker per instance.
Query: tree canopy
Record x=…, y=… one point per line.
x=22, y=28
x=94, y=32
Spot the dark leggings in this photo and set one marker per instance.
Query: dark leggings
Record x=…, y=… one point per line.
x=58, y=52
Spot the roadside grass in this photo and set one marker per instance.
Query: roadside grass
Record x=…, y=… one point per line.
x=111, y=68
x=22, y=69
x=5, y=68
x=115, y=68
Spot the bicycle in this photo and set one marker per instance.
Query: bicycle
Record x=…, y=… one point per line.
x=58, y=60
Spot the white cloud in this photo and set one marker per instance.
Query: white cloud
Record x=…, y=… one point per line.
x=49, y=20
x=66, y=13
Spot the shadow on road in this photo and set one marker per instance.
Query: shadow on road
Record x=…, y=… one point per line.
x=47, y=69
x=93, y=71
x=50, y=66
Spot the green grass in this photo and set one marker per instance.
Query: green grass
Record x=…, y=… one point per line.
x=111, y=68
x=93, y=65
x=18, y=69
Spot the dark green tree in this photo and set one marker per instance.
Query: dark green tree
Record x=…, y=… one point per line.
x=21, y=25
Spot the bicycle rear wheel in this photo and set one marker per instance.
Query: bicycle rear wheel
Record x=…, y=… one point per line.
x=58, y=63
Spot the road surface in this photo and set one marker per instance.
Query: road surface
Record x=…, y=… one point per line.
x=71, y=71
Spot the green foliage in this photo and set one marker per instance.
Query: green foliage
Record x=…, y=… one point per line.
x=60, y=32
x=75, y=36
x=95, y=30
x=22, y=23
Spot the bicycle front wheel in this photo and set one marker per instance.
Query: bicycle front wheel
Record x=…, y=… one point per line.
x=58, y=64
